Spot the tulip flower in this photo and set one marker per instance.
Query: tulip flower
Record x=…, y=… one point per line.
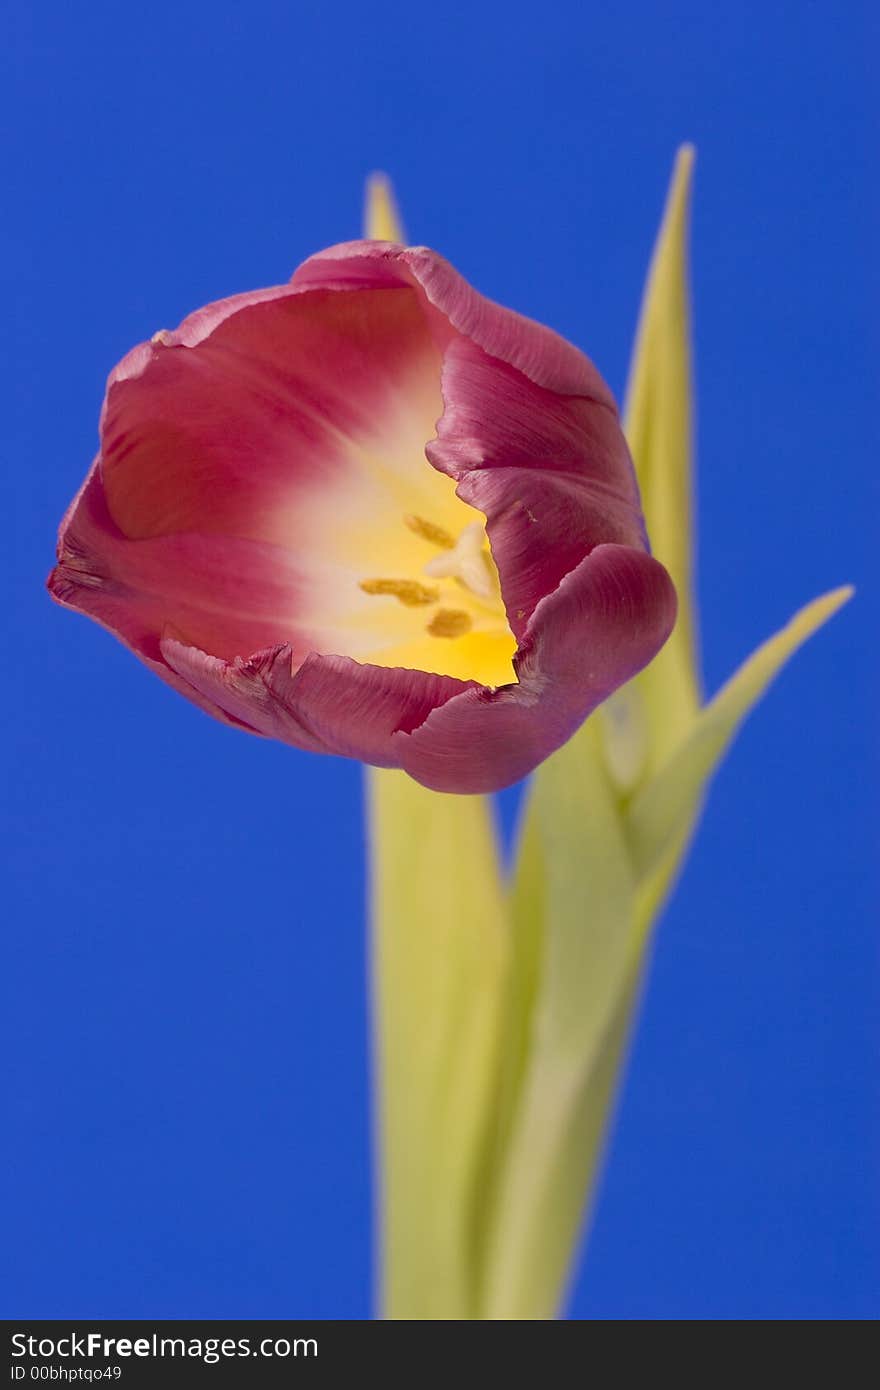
x=371, y=513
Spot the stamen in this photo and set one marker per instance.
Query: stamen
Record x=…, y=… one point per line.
x=408, y=591
x=436, y=535
x=450, y=622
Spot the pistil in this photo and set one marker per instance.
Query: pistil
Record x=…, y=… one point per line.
x=467, y=562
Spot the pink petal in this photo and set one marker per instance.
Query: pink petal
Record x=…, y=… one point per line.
x=551, y=473
x=538, y=352
x=230, y=596
x=331, y=704
x=216, y=427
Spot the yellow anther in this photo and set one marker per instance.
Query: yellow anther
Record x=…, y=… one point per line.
x=161, y=339
x=436, y=535
x=450, y=622
x=407, y=591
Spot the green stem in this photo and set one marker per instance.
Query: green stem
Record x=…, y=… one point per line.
x=438, y=949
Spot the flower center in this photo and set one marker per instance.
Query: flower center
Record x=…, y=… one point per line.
x=461, y=600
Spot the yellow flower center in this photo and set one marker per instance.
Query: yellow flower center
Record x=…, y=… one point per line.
x=461, y=604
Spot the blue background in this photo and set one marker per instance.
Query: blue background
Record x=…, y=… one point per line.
x=184, y=946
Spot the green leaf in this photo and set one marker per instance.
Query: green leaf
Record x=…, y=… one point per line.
x=664, y=699
x=573, y=966
x=576, y=945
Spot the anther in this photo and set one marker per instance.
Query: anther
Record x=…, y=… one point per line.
x=407, y=591
x=450, y=622
x=436, y=535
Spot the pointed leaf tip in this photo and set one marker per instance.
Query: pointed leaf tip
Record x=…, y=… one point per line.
x=658, y=426
x=678, y=198
x=685, y=158
x=664, y=810
x=381, y=215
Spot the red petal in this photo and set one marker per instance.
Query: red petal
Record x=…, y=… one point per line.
x=218, y=426
x=542, y=355
x=230, y=596
x=331, y=704
x=551, y=473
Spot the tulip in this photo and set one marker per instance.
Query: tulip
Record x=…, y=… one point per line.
x=371, y=513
